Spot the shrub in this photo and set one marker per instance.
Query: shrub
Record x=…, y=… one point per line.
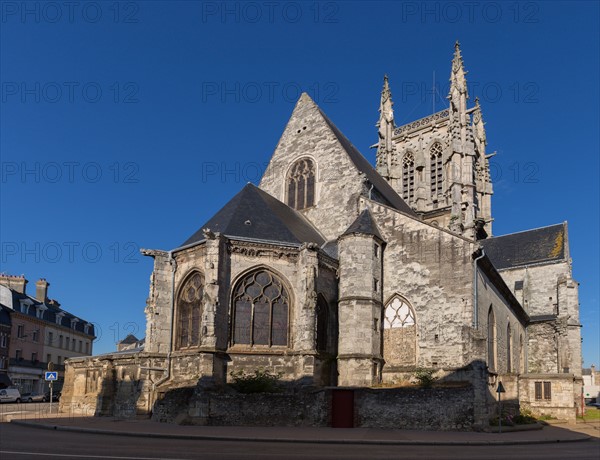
x=262, y=381
x=425, y=377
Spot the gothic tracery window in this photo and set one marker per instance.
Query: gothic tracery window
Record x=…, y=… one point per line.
x=301, y=184
x=398, y=314
x=189, y=311
x=408, y=177
x=260, y=310
x=435, y=167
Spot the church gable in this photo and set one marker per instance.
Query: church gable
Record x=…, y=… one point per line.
x=317, y=171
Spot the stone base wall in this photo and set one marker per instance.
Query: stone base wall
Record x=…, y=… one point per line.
x=399, y=408
x=416, y=408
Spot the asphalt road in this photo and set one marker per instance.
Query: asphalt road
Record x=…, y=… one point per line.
x=19, y=443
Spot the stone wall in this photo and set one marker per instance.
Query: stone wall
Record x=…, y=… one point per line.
x=116, y=384
x=549, y=289
x=338, y=182
x=399, y=408
x=432, y=270
x=489, y=297
x=562, y=403
x=416, y=409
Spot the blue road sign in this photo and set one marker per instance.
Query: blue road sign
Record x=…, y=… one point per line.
x=51, y=376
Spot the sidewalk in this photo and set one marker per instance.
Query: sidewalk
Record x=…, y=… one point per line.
x=147, y=428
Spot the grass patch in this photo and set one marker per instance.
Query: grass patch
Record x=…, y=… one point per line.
x=591, y=413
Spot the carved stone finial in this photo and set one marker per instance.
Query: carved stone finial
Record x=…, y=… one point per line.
x=385, y=126
x=208, y=233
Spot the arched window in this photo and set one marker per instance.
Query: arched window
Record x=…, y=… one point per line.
x=436, y=170
x=301, y=184
x=189, y=311
x=322, y=323
x=408, y=177
x=260, y=310
x=521, y=355
x=398, y=314
x=508, y=349
x=399, y=334
x=491, y=340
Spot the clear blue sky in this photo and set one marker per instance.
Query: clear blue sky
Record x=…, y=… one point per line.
x=127, y=125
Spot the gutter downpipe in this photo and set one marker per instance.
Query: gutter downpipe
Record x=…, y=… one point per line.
x=167, y=374
x=475, y=298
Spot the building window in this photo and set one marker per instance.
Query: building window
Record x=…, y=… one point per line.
x=48, y=358
x=60, y=341
x=408, y=177
x=3, y=341
x=398, y=313
x=189, y=311
x=543, y=390
x=35, y=336
x=80, y=346
x=491, y=340
x=87, y=348
x=50, y=338
x=20, y=331
x=19, y=354
x=59, y=360
x=260, y=310
x=66, y=343
x=34, y=357
x=508, y=349
x=436, y=169
x=322, y=323
x=301, y=184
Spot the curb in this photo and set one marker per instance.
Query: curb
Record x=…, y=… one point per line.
x=296, y=441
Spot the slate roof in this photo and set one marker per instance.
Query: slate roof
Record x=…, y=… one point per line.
x=331, y=249
x=129, y=339
x=382, y=190
x=255, y=214
x=546, y=244
x=365, y=224
x=4, y=315
x=51, y=313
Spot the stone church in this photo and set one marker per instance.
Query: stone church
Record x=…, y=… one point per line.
x=336, y=273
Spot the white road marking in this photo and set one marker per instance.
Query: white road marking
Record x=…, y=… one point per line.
x=43, y=454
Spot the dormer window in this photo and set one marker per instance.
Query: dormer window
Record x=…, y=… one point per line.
x=301, y=184
x=39, y=311
x=59, y=317
x=74, y=322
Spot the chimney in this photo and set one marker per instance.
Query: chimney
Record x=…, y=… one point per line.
x=16, y=283
x=41, y=290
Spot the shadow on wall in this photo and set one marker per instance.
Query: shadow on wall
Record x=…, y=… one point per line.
x=462, y=400
x=119, y=395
